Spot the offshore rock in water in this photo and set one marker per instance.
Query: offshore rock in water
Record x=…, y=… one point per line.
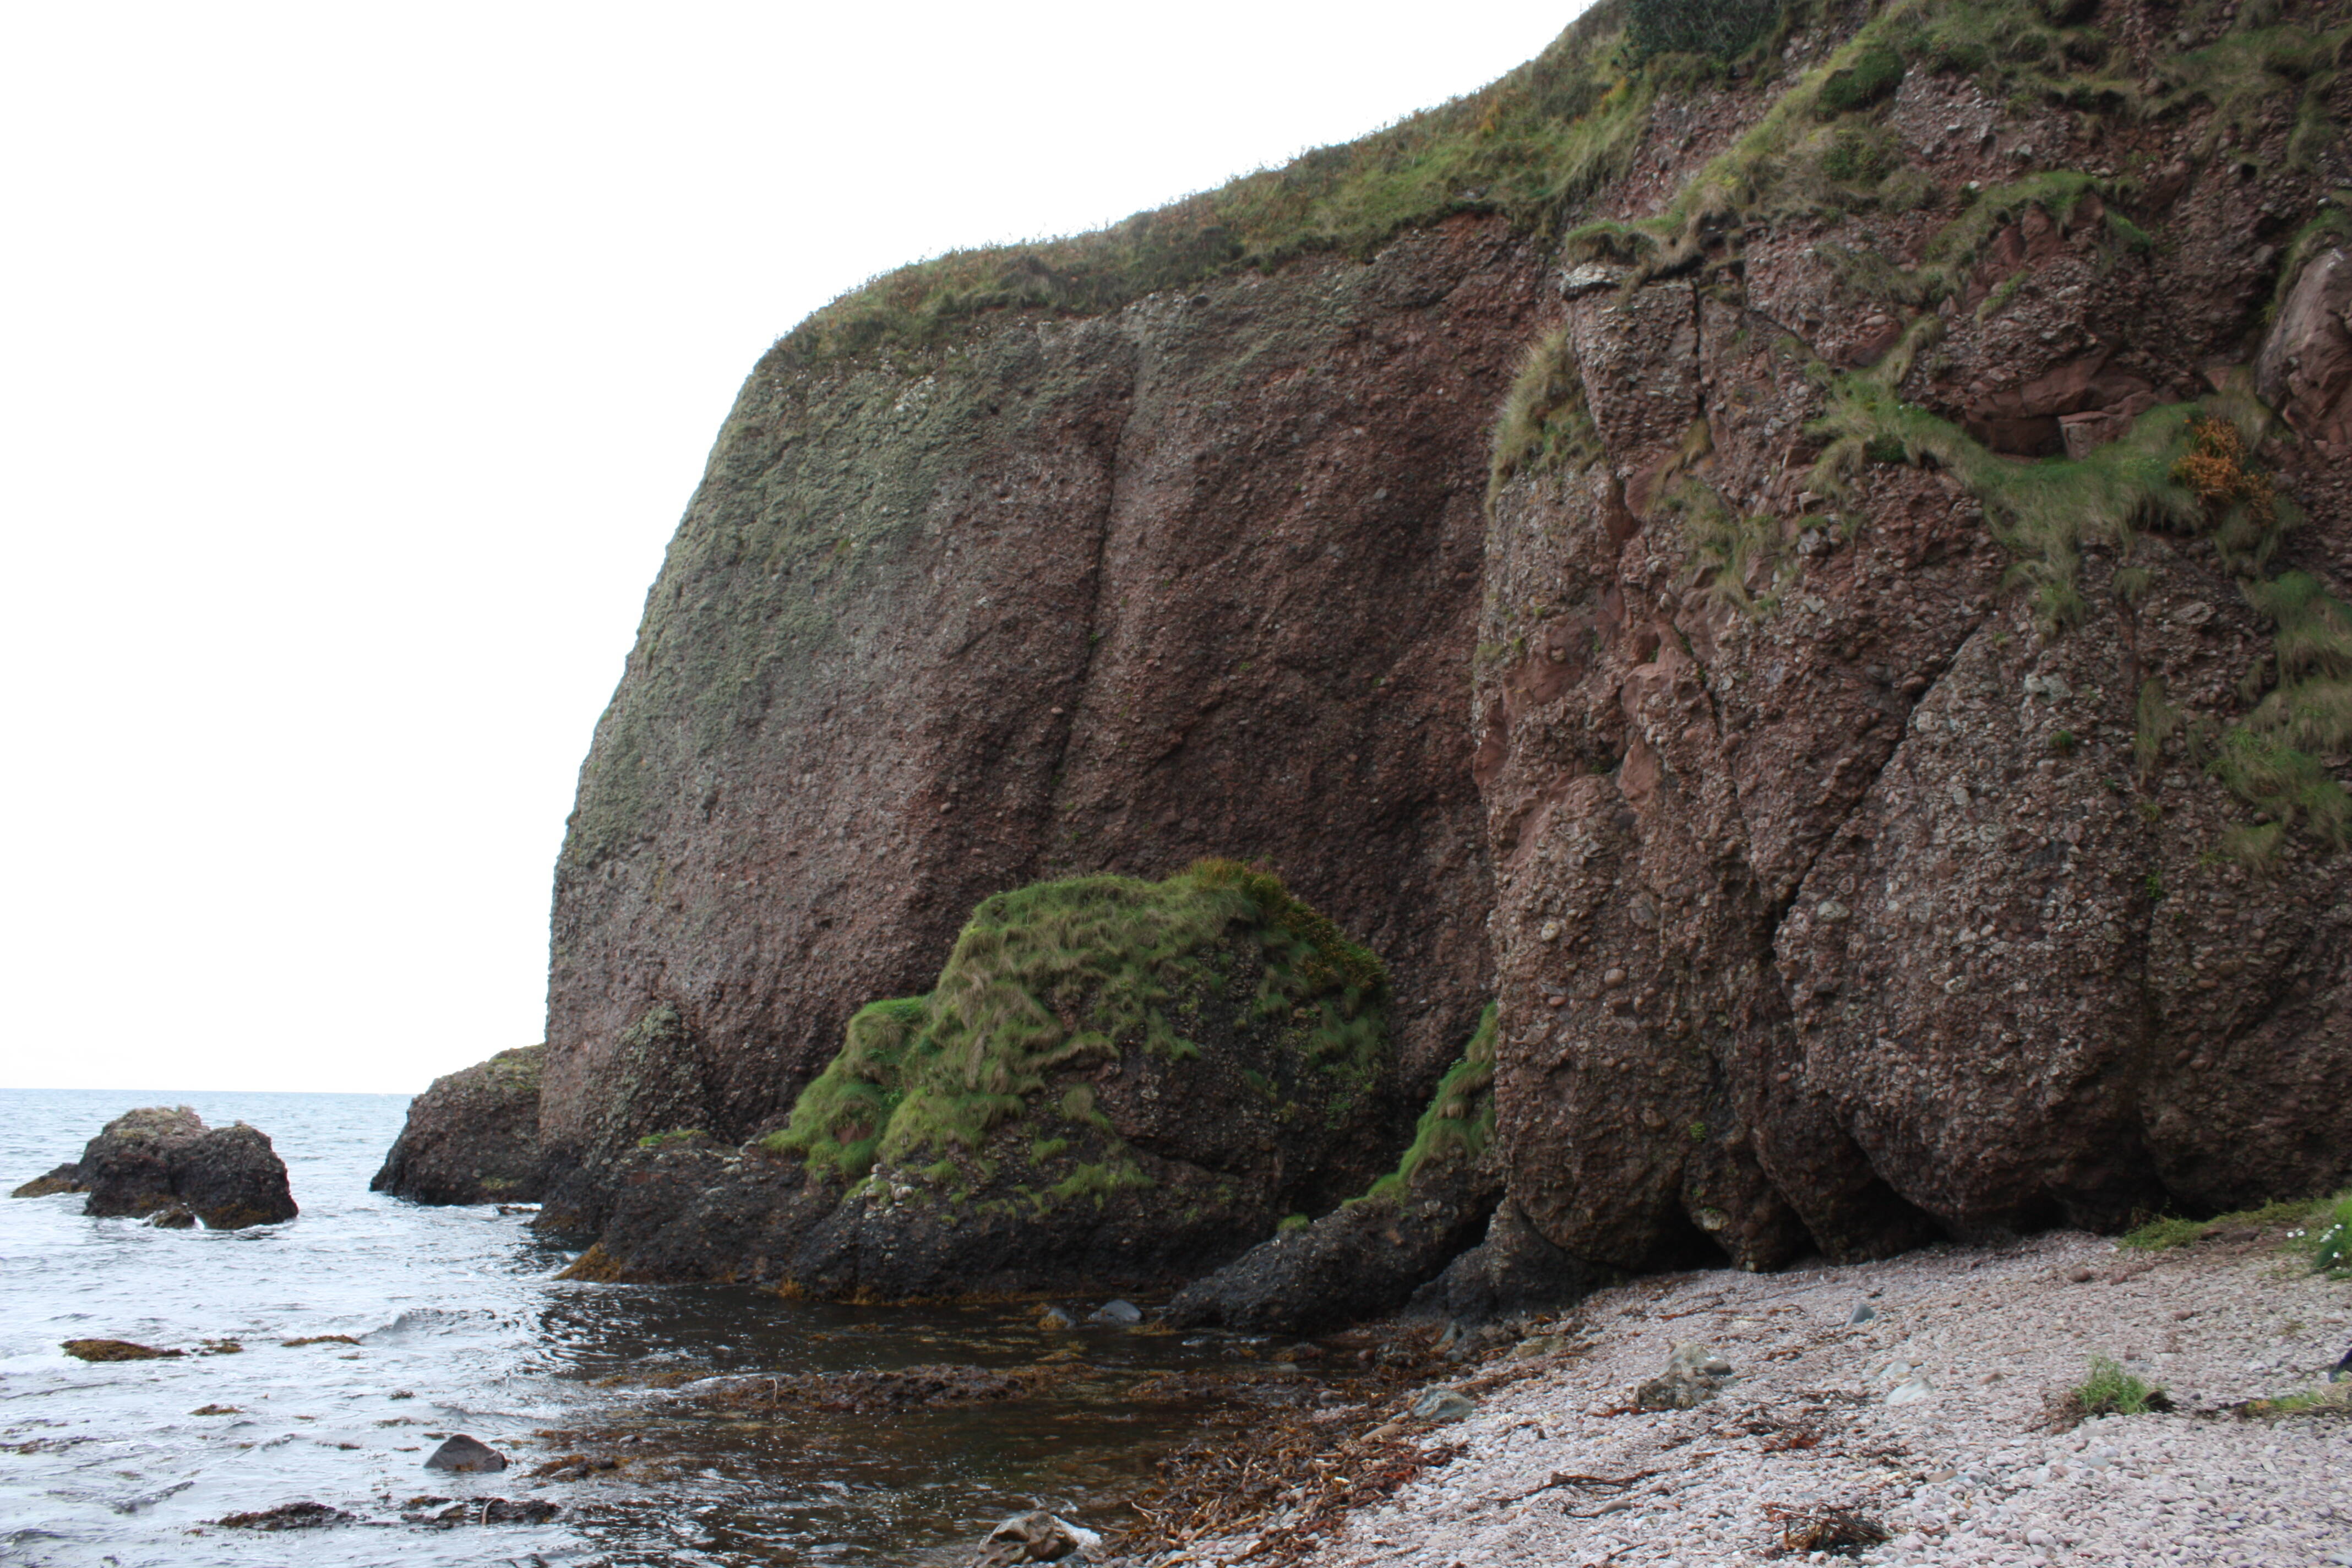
x=465, y=1455
x=65, y=1178
x=115, y=1349
x=288, y=1516
x=472, y=1138
x=486, y=1510
x=156, y=1161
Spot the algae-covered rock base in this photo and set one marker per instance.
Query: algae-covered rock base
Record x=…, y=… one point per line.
x=473, y=1136
x=1112, y=1084
x=166, y=1163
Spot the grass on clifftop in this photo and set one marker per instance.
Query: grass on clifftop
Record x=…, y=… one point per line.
x=1068, y=973
x=1530, y=147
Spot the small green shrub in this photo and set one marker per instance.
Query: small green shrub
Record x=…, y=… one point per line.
x=1874, y=74
x=1292, y=1222
x=2331, y=1240
x=2111, y=1391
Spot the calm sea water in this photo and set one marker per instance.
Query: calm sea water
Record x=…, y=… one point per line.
x=462, y=1328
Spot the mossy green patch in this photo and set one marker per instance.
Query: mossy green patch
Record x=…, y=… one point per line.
x=1070, y=976
x=1459, y=1120
x=2318, y=1228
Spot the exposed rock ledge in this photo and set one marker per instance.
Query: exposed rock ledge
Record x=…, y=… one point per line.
x=473, y=1136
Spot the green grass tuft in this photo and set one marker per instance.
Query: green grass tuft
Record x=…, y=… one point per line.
x=2111, y=1391
x=1459, y=1121
x=2301, y=1220
x=1545, y=426
x=1874, y=74
x=675, y=1135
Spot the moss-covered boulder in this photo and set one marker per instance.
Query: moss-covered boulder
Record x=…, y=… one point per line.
x=1115, y=1083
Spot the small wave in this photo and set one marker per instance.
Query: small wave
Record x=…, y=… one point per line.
x=419, y=1323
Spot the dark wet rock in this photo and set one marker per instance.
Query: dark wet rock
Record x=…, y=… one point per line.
x=65, y=1178
x=156, y=1159
x=1514, y=1269
x=1363, y=1258
x=450, y=1513
x=1038, y=1537
x=178, y=1216
x=1370, y=1255
x=1693, y=1376
x=290, y=1516
x=465, y=1455
x=862, y=1392
x=115, y=1349
x=217, y=1410
x=472, y=1137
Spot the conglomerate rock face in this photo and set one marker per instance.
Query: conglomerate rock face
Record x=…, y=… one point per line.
x=1879, y=734
x=1110, y=594
x=472, y=1137
x=1868, y=860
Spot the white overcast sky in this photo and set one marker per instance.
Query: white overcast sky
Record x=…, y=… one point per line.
x=356, y=362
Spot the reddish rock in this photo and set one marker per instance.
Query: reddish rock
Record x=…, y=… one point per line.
x=1837, y=896
x=2306, y=368
x=1195, y=578
x=472, y=1137
x=164, y=1161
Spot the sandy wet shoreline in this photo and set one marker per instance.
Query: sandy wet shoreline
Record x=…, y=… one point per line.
x=1969, y=1468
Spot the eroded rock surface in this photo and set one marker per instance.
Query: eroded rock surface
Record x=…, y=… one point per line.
x=472, y=1137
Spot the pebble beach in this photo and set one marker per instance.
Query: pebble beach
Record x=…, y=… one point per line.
x=1921, y=1399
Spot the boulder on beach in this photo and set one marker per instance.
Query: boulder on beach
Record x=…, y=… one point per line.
x=157, y=1160
x=1114, y=1085
x=472, y=1138
x=465, y=1455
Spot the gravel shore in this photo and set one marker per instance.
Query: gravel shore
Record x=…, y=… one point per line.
x=1965, y=1464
